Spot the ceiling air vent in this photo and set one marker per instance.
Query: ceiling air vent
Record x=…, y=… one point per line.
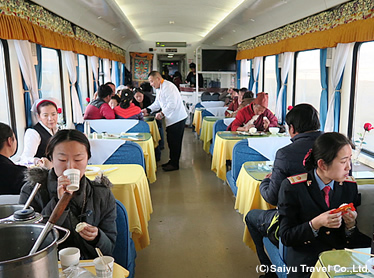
x=171, y=44
x=174, y=50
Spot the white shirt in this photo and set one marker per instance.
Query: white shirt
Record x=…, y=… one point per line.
x=169, y=100
x=31, y=144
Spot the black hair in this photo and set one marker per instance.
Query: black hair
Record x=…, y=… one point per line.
x=104, y=91
x=192, y=66
x=126, y=98
x=236, y=90
x=177, y=74
x=303, y=117
x=45, y=103
x=146, y=87
x=116, y=98
x=65, y=135
x=138, y=90
x=326, y=147
x=110, y=83
x=248, y=94
x=5, y=133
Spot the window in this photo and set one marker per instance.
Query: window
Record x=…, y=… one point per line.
x=101, y=72
x=4, y=97
x=51, y=78
x=364, y=96
x=245, y=72
x=308, y=78
x=83, y=84
x=270, y=81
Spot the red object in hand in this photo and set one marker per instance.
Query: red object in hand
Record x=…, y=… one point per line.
x=344, y=209
x=368, y=126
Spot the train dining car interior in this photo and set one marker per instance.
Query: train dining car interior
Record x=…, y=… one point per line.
x=191, y=111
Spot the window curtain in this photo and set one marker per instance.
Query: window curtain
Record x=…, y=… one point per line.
x=106, y=69
x=95, y=69
x=338, y=63
x=280, y=110
x=123, y=71
x=38, y=69
x=117, y=73
x=77, y=85
x=238, y=72
x=72, y=70
x=257, y=61
x=324, y=84
x=113, y=75
x=251, y=77
x=24, y=56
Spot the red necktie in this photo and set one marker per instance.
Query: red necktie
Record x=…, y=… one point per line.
x=326, y=190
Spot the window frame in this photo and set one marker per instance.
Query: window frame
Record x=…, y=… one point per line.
x=87, y=76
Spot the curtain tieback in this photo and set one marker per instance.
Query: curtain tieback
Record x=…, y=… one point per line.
x=337, y=91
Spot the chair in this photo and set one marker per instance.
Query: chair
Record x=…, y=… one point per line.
x=141, y=126
x=128, y=153
x=124, y=252
x=9, y=199
x=205, y=113
x=215, y=96
x=276, y=256
x=199, y=105
x=205, y=96
x=365, y=212
x=218, y=126
x=241, y=153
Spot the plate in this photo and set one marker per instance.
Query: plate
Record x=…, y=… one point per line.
x=370, y=265
x=111, y=136
x=257, y=133
x=92, y=171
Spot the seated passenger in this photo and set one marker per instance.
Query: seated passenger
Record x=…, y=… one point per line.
x=99, y=108
x=306, y=201
x=114, y=101
x=140, y=99
x=254, y=115
x=126, y=109
x=93, y=203
x=36, y=138
x=303, y=125
x=177, y=79
x=245, y=97
x=234, y=103
x=12, y=175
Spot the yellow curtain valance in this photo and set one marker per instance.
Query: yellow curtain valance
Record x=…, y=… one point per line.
x=351, y=22
x=148, y=56
x=21, y=28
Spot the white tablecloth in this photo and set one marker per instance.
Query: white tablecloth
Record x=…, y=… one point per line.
x=217, y=111
x=113, y=126
x=228, y=121
x=102, y=149
x=268, y=146
x=208, y=104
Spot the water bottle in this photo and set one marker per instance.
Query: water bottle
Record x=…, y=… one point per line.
x=87, y=128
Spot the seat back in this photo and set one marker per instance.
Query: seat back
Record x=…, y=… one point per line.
x=205, y=113
x=242, y=153
x=277, y=256
x=128, y=153
x=141, y=126
x=365, y=211
x=124, y=252
x=9, y=199
x=205, y=96
x=215, y=96
x=218, y=126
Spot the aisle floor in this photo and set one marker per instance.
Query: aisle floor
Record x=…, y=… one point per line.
x=194, y=229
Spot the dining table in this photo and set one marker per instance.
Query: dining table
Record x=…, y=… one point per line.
x=153, y=127
x=110, y=145
x=118, y=271
x=206, y=134
x=197, y=119
x=131, y=188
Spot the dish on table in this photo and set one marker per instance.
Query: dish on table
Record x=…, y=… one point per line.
x=257, y=133
x=370, y=265
x=111, y=136
x=92, y=170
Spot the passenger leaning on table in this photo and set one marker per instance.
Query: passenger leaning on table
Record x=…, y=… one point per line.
x=254, y=115
x=305, y=203
x=126, y=109
x=303, y=125
x=93, y=203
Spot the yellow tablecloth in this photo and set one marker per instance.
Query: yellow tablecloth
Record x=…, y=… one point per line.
x=154, y=131
x=149, y=157
x=222, y=152
x=118, y=271
x=130, y=187
x=207, y=132
x=197, y=120
x=248, y=197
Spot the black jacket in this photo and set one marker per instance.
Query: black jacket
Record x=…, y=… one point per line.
x=93, y=203
x=12, y=176
x=288, y=162
x=302, y=200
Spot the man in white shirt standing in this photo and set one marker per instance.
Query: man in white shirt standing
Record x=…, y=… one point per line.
x=168, y=99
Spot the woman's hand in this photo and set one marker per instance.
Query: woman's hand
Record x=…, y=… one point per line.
x=89, y=232
x=266, y=123
x=145, y=112
x=328, y=220
x=350, y=219
x=62, y=182
x=44, y=162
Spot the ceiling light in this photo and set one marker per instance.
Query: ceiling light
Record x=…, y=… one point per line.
x=251, y=19
x=99, y=17
x=233, y=31
x=171, y=22
x=114, y=29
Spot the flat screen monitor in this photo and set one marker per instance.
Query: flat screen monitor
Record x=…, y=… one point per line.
x=218, y=60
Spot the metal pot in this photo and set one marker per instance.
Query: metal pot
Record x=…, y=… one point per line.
x=10, y=214
x=16, y=242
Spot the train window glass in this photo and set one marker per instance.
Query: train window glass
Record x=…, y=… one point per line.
x=270, y=81
x=51, y=82
x=4, y=101
x=364, y=96
x=83, y=84
x=308, y=79
x=245, y=73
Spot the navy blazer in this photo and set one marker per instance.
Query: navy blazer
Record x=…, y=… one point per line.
x=12, y=176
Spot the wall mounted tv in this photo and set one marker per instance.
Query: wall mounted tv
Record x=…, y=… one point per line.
x=218, y=60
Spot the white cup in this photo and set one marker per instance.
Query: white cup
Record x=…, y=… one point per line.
x=74, y=177
x=252, y=130
x=69, y=257
x=102, y=269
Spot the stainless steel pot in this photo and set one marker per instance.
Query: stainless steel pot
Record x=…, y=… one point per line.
x=10, y=214
x=16, y=242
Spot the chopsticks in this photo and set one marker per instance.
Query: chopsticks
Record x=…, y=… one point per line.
x=98, y=251
x=358, y=252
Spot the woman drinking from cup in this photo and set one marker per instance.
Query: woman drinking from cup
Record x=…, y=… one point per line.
x=93, y=203
x=309, y=223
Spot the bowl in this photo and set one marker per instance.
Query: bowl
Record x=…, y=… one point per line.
x=252, y=130
x=274, y=130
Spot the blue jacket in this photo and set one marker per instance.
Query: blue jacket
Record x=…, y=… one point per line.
x=288, y=162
